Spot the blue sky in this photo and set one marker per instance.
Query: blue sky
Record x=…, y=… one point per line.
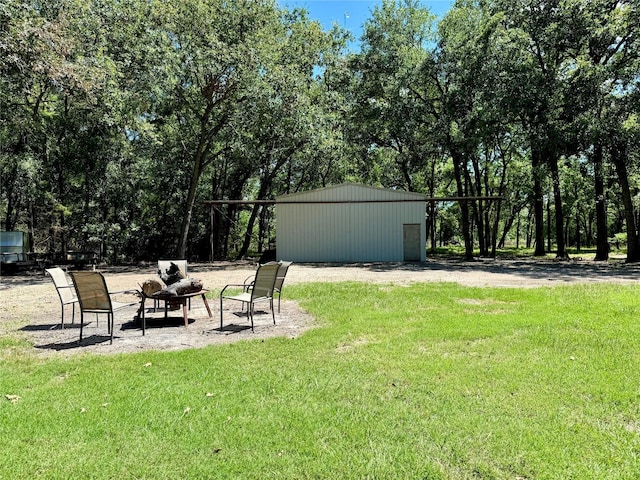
x=351, y=14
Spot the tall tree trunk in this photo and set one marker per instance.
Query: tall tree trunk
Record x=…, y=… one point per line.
x=538, y=203
x=508, y=225
x=529, y=233
x=559, y=211
x=494, y=235
x=248, y=234
x=478, y=216
x=602, y=246
x=578, y=232
x=202, y=156
x=488, y=229
x=219, y=233
x=432, y=208
x=263, y=229
x=264, y=191
x=432, y=224
x=458, y=166
x=548, y=225
x=189, y=204
x=475, y=184
x=9, y=184
x=619, y=158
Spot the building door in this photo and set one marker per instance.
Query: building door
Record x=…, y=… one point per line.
x=411, y=242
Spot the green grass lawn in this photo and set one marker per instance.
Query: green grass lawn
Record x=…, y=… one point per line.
x=431, y=381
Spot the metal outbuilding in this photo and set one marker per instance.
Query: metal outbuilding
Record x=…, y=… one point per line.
x=351, y=223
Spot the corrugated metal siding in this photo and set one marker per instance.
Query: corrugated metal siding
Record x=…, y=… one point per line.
x=345, y=232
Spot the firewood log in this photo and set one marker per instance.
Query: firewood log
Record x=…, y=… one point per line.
x=181, y=287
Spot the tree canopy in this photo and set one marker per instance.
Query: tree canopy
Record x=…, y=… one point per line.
x=118, y=120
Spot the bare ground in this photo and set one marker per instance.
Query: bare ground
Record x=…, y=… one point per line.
x=30, y=309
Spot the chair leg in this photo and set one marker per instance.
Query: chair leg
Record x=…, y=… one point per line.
x=81, y=325
x=220, y=313
x=141, y=316
x=62, y=323
x=273, y=313
x=111, y=325
x=250, y=313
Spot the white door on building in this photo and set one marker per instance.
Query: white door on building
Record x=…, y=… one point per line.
x=411, y=242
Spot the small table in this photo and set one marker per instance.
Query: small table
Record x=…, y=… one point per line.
x=176, y=300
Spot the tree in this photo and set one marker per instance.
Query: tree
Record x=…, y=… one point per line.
x=474, y=130
x=118, y=119
x=624, y=161
x=34, y=68
x=606, y=82
x=217, y=51
x=390, y=126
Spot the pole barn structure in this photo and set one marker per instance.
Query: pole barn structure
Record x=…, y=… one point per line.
x=351, y=223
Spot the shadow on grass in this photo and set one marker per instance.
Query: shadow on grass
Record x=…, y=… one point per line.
x=86, y=342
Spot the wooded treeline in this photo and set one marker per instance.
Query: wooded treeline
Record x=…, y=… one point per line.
x=119, y=119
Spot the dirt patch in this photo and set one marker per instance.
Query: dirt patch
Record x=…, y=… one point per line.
x=30, y=310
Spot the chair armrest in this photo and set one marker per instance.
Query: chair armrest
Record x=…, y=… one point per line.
x=248, y=283
x=131, y=291
x=232, y=285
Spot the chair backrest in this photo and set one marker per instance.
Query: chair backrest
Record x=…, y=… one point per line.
x=282, y=272
x=63, y=287
x=92, y=292
x=265, y=279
